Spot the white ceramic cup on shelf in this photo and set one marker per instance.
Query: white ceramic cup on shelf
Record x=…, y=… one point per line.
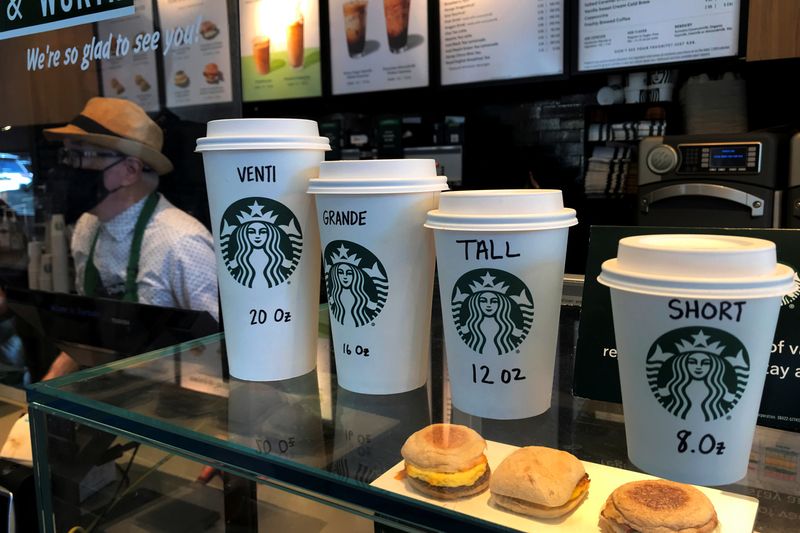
x=635, y=87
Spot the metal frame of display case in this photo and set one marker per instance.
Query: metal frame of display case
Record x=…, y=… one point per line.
x=105, y=398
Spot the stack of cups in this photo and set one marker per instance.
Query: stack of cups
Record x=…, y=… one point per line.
x=501, y=267
x=378, y=263
x=694, y=319
x=636, y=87
x=267, y=245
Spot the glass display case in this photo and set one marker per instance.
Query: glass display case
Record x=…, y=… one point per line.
x=107, y=441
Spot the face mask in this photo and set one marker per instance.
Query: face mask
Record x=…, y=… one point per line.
x=75, y=191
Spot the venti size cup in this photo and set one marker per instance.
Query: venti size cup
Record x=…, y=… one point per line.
x=266, y=240
x=378, y=264
x=501, y=266
x=694, y=320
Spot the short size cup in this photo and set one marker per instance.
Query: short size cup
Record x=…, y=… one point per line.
x=694, y=320
x=378, y=263
x=266, y=240
x=501, y=266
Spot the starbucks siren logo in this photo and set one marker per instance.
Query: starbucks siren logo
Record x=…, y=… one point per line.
x=790, y=297
x=356, y=281
x=698, y=368
x=260, y=241
x=492, y=310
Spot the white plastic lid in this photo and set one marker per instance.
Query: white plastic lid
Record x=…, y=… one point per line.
x=501, y=210
x=377, y=176
x=708, y=266
x=262, y=134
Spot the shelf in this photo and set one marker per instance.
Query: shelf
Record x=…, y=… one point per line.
x=309, y=437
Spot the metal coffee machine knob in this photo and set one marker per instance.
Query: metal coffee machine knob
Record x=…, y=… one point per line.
x=662, y=159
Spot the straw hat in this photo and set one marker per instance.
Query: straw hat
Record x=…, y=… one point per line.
x=120, y=125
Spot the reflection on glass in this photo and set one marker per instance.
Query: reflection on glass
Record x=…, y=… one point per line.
x=278, y=418
x=371, y=429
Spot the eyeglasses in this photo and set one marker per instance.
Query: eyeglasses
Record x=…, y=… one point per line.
x=75, y=158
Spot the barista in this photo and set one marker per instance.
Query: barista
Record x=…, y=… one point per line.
x=129, y=242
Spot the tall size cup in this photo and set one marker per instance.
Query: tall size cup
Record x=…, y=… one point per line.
x=266, y=240
x=694, y=319
x=501, y=266
x=378, y=263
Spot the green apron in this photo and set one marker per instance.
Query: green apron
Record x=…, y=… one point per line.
x=93, y=284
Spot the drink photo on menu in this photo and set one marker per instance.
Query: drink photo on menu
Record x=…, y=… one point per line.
x=396, y=13
x=378, y=44
x=280, y=49
x=355, y=27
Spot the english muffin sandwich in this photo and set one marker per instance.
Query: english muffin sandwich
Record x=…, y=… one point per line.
x=208, y=30
x=117, y=86
x=212, y=73
x=446, y=461
x=540, y=482
x=181, y=79
x=658, y=506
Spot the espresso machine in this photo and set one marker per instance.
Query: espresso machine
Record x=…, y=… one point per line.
x=792, y=198
x=713, y=180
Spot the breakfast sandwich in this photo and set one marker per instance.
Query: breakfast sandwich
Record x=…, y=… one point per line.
x=540, y=482
x=446, y=461
x=141, y=82
x=117, y=86
x=212, y=73
x=208, y=30
x=181, y=79
x=658, y=506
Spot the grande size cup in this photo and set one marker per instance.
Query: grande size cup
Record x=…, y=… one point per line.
x=694, y=319
x=378, y=263
x=266, y=240
x=501, y=266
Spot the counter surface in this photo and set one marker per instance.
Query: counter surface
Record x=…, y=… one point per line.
x=312, y=438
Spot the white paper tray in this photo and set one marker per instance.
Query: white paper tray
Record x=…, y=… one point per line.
x=736, y=513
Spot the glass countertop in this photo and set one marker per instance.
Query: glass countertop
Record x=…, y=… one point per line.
x=309, y=436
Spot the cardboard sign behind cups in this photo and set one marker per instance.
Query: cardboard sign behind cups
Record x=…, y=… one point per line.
x=596, y=373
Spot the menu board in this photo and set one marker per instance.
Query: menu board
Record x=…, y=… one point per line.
x=625, y=33
x=133, y=76
x=378, y=45
x=485, y=40
x=195, y=43
x=280, y=49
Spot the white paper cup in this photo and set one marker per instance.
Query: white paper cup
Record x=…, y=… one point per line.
x=501, y=267
x=378, y=262
x=694, y=319
x=267, y=245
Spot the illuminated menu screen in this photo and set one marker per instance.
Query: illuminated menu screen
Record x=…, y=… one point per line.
x=280, y=49
x=196, y=49
x=628, y=33
x=133, y=76
x=483, y=40
x=378, y=45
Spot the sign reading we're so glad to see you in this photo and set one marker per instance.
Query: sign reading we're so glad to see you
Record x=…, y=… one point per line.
x=34, y=16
